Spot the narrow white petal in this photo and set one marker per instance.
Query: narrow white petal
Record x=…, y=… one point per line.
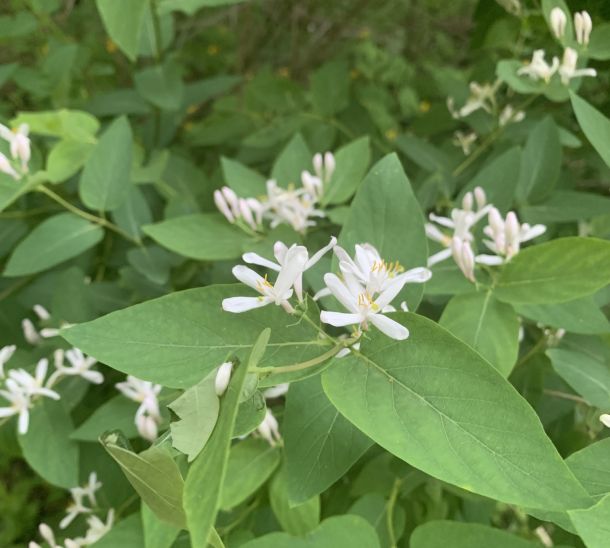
x=23, y=422
x=325, y=292
x=255, y=258
x=389, y=327
x=319, y=254
x=7, y=412
x=439, y=257
x=340, y=291
x=491, y=260
x=247, y=276
x=533, y=232
x=293, y=266
x=243, y=304
x=339, y=319
x=417, y=275
x=443, y=221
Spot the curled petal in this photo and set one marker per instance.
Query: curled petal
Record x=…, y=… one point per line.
x=243, y=304
x=389, y=327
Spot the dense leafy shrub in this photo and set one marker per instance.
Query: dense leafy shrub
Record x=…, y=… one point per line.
x=284, y=273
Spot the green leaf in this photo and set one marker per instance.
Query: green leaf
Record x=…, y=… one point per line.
x=440, y=534
x=115, y=414
x=541, y=162
x=104, y=183
x=250, y=414
x=320, y=444
x=352, y=161
x=567, y=206
x=578, y=316
x=373, y=507
x=204, y=483
x=435, y=403
x=157, y=533
x=124, y=23
x=154, y=475
x=177, y=339
x=161, y=85
x=336, y=532
x=203, y=236
x=599, y=46
x=594, y=124
x=127, y=533
x=133, y=213
x=66, y=158
x=330, y=88
x=294, y=158
x=52, y=242
x=47, y=446
x=151, y=261
x=499, y=178
x=66, y=124
x=487, y=325
x=297, y=519
x=190, y=7
x=386, y=214
x=251, y=463
x=591, y=466
x=588, y=376
x=553, y=272
x=197, y=410
x=593, y=524
x=246, y=182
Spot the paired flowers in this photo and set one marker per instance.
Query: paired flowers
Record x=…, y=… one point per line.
x=539, y=69
x=366, y=288
x=504, y=235
x=148, y=417
x=296, y=207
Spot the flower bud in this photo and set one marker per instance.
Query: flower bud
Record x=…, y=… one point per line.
x=480, y=197
x=605, y=420
x=318, y=165
x=6, y=167
x=583, y=27
x=268, y=429
x=467, y=201
x=42, y=312
x=223, y=376
x=29, y=332
x=222, y=206
x=329, y=166
x=558, y=22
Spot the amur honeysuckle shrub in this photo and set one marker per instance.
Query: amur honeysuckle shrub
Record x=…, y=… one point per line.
x=346, y=294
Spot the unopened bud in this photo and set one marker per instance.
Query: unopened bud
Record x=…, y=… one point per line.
x=467, y=201
x=558, y=22
x=480, y=197
x=318, y=165
x=583, y=27
x=329, y=166
x=42, y=312
x=223, y=376
x=605, y=420
x=29, y=331
x=222, y=206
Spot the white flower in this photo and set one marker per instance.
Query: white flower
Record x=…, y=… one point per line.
x=19, y=143
x=465, y=141
x=30, y=334
x=558, y=22
x=538, y=68
x=235, y=208
x=6, y=167
x=269, y=429
x=324, y=167
x=510, y=115
x=76, y=507
x=568, y=69
x=362, y=307
x=291, y=206
x=20, y=404
x=482, y=96
x=463, y=256
x=506, y=236
x=280, y=250
x=33, y=385
x=583, y=27
x=605, y=420
x=373, y=273
x=42, y=313
x=276, y=391
x=223, y=376
x=6, y=353
x=145, y=393
x=80, y=367
x=461, y=223
x=97, y=529
x=292, y=267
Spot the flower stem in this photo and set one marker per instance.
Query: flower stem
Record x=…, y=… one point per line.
x=390, y=512
x=85, y=215
x=302, y=365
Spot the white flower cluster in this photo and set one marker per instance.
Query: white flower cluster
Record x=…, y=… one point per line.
x=148, y=417
x=366, y=288
x=505, y=235
x=19, y=142
x=83, y=502
x=539, y=69
x=22, y=389
x=34, y=336
x=296, y=207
